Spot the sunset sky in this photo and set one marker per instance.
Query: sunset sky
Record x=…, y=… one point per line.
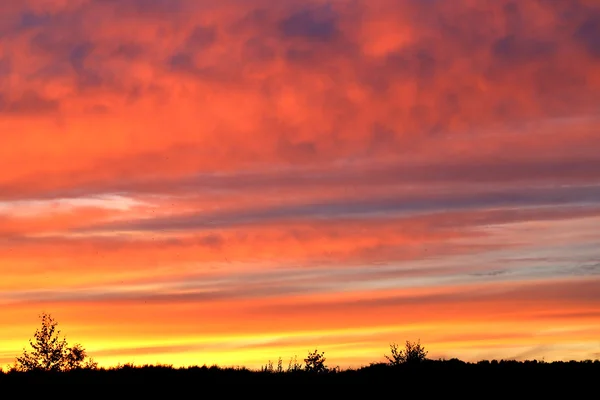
x=195, y=182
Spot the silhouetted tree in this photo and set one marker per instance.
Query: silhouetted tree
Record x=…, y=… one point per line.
x=413, y=353
x=315, y=362
x=51, y=353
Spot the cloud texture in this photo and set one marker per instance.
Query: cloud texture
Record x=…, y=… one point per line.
x=190, y=181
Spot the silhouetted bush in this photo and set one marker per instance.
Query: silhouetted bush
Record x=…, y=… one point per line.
x=315, y=362
x=413, y=353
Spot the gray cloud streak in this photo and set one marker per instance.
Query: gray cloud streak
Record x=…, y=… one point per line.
x=383, y=207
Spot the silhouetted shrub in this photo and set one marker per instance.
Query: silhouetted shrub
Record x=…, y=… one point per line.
x=315, y=362
x=413, y=353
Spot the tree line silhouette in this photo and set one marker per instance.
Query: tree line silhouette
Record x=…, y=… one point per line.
x=51, y=359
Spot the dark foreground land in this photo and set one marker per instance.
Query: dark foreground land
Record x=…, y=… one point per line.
x=563, y=379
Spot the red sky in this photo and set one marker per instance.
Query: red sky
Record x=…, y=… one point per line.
x=191, y=181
